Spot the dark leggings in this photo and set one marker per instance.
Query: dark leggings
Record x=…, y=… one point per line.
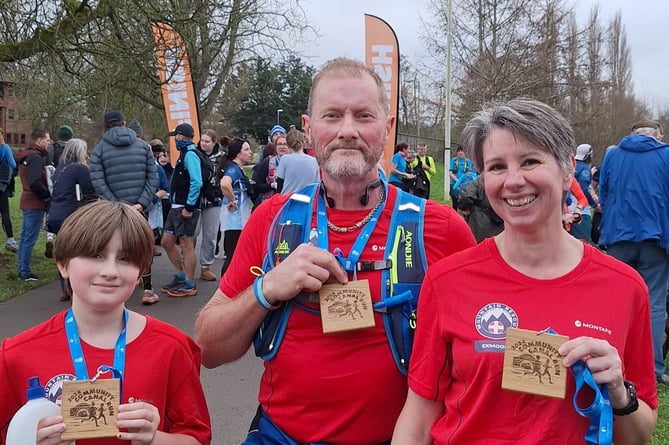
x=4, y=211
x=229, y=243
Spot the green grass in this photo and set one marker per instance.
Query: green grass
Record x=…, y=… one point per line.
x=46, y=270
x=41, y=266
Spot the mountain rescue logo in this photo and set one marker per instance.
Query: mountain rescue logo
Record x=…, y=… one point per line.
x=493, y=320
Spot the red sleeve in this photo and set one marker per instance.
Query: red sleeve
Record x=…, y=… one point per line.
x=445, y=232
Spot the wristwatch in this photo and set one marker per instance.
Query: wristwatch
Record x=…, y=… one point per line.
x=633, y=404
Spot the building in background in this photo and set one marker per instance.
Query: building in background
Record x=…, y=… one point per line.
x=13, y=117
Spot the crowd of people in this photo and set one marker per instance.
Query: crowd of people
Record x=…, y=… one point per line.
x=380, y=315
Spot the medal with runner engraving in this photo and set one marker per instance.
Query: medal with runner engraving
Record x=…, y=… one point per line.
x=346, y=307
x=532, y=363
x=89, y=408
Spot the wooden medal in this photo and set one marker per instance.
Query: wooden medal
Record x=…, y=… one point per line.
x=89, y=408
x=346, y=307
x=532, y=363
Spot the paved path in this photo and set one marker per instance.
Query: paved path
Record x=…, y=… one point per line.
x=231, y=389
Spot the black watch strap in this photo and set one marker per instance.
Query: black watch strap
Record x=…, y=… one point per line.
x=633, y=404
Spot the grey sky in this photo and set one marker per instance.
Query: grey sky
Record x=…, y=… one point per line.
x=341, y=25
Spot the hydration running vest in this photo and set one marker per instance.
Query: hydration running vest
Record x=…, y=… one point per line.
x=402, y=270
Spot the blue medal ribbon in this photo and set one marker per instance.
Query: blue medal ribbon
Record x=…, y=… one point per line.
x=600, y=411
x=77, y=353
x=348, y=263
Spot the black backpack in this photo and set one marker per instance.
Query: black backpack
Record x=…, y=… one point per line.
x=210, y=188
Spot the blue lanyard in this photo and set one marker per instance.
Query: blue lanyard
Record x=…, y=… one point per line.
x=600, y=411
x=77, y=353
x=348, y=263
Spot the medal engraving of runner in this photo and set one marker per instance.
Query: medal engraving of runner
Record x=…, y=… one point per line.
x=532, y=363
x=89, y=408
x=346, y=307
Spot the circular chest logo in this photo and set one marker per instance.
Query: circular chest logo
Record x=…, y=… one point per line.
x=493, y=319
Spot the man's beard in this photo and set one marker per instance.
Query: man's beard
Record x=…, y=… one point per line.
x=347, y=167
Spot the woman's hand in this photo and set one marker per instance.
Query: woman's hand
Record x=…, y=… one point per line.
x=604, y=363
x=140, y=420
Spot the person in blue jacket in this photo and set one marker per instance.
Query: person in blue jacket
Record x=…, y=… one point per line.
x=633, y=193
x=7, y=189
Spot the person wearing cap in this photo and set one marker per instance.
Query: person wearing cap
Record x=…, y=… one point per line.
x=123, y=169
x=185, y=190
x=458, y=167
x=583, y=175
x=274, y=133
x=53, y=153
x=633, y=193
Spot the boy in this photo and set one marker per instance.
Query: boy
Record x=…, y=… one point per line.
x=102, y=250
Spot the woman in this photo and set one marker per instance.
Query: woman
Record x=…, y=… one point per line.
x=72, y=187
x=235, y=209
x=531, y=276
x=398, y=169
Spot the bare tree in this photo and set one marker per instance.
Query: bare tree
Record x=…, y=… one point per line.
x=101, y=54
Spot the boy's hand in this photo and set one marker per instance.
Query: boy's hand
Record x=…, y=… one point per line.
x=49, y=430
x=140, y=420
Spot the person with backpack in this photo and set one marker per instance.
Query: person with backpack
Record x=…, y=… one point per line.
x=348, y=245
x=459, y=166
x=211, y=208
x=53, y=154
x=8, y=169
x=186, y=201
x=236, y=206
x=35, y=198
x=424, y=168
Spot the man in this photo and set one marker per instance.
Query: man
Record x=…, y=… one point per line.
x=54, y=151
x=211, y=211
x=458, y=167
x=185, y=191
x=424, y=168
x=583, y=175
x=34, y=198
x=633, y=193
x=345, y=387
x=123, y=169
x=297, y=168
x=64, y=134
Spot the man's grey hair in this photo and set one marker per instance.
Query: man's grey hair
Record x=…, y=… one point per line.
x=649, y=131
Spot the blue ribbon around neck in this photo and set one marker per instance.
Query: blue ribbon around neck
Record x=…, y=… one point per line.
x=348, y=263
x=77, y=353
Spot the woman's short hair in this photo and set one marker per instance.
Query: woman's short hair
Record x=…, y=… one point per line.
x=76, y=150
x=88, y=230
x=528, y=119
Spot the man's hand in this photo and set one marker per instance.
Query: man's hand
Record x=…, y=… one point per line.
x=186, y=214
x=307, y=268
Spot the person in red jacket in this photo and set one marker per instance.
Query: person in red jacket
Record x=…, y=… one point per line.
x=34, y=198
